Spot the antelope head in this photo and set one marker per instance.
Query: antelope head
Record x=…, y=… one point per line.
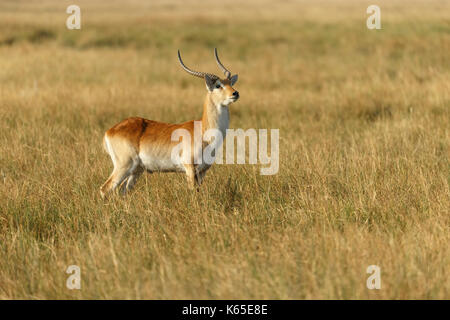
x=220, y=90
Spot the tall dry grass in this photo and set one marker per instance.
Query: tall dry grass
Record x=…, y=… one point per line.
x=364, y=151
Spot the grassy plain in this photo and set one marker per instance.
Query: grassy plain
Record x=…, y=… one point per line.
x=364, y=151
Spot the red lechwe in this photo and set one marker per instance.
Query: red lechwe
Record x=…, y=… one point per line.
x=138, y=144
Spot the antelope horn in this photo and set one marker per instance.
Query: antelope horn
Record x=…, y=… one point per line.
x=192, y=72
x=225, y=70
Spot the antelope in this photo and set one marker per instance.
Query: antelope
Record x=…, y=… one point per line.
x=136, y=144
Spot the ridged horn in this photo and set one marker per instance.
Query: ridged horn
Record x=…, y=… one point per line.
x=221, y=66
x=192, y=72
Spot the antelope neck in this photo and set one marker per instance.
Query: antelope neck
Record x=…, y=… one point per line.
x=215, y=116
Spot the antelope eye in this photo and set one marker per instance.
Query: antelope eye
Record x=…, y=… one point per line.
x=218, y=86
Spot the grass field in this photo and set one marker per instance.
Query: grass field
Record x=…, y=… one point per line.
x=364, y=151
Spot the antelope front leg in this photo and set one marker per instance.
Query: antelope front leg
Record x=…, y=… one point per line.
x=190, y=175
x=194, y=179
x=199, y=178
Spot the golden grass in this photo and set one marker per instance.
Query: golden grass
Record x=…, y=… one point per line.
x=364, y=151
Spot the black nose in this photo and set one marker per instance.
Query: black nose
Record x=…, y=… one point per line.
x=236, y=94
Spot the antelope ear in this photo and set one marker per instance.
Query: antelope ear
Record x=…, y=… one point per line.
x=210, y=82
x=234, y=79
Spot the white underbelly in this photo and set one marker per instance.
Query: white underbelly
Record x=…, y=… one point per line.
x=154, y=164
